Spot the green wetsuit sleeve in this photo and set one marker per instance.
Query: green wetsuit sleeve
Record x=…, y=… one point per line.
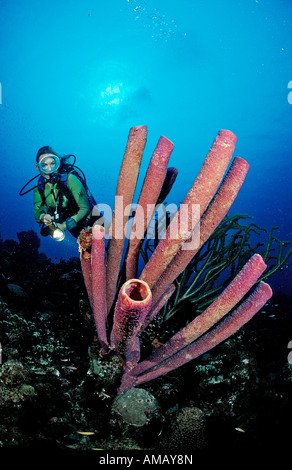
x=80, y=196
x=38, y=206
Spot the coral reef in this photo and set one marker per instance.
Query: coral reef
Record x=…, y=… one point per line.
x=49, y=342
x=14, y=386
x=185, y=430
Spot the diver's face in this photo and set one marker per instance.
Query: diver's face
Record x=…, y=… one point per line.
x=48, y=164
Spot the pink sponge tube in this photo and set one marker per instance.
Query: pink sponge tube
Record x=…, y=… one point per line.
x=98, y=282
x=150, y=192
x=132, y=307
x=124, y=196
x=227, y=300
x=85, y=243
x=201, y=193
x=214, y=214
x=221, y=332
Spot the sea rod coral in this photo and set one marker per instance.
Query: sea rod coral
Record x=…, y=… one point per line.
x=124, y=302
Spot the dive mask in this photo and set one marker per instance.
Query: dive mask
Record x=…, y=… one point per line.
x=49, y=164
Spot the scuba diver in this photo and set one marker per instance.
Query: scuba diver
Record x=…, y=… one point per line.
x=62, y=200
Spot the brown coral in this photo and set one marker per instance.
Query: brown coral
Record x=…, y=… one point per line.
x=186, y=431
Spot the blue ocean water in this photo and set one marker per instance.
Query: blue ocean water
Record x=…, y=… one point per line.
x=77, y=75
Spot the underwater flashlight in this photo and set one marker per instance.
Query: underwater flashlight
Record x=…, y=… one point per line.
x=57, y=233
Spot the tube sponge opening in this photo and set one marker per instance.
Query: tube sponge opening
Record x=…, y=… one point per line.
x=137, y=291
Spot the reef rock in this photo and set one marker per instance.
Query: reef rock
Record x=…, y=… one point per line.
x=135, y=406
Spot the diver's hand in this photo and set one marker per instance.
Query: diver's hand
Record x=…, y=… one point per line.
x=62, y=226
x=46, y=219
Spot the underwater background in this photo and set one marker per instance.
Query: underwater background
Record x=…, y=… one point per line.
x=77, y=75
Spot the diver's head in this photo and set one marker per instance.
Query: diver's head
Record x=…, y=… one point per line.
x=47, y=161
